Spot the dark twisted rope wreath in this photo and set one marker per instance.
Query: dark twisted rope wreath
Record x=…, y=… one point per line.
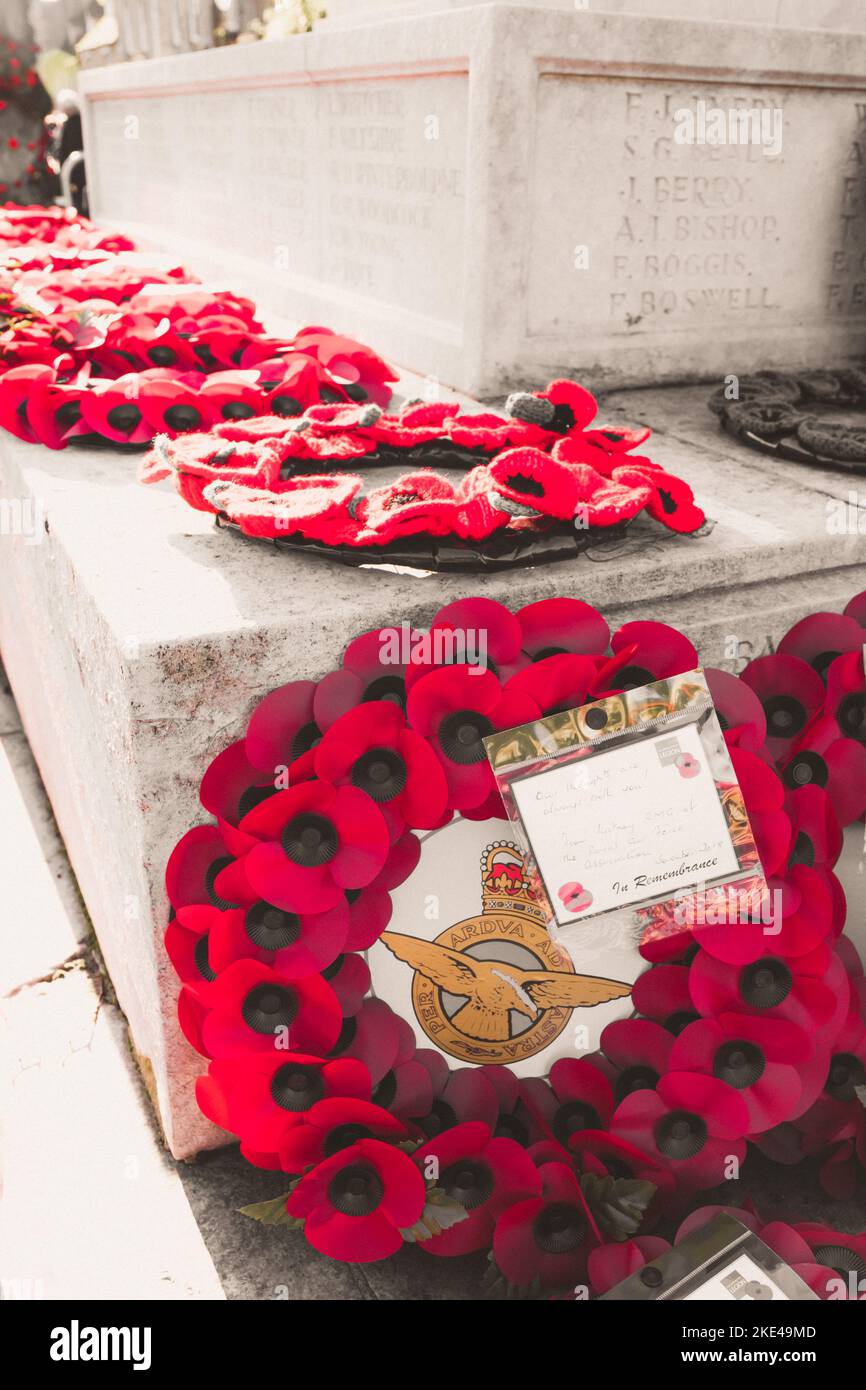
x=783, y=413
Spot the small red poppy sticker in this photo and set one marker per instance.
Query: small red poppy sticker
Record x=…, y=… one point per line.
x=574, y=897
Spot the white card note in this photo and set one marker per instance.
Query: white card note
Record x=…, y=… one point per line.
x=639, y=822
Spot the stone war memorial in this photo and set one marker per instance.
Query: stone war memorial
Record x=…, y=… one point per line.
x=497, y=373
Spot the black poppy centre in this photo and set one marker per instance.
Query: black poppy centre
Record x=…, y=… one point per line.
x=785, y=716
x=559, y=1229
x=269, y=1007
x=296, y=1087
x=310, y=840
x=739, y=1064
x=270, y=928
x=575, y=1115
x=462, y=734
x=469, y=1182
x=356, y=1190
x=680, y=1135
x=381, y=773
x=765, y=983
x=806, y=769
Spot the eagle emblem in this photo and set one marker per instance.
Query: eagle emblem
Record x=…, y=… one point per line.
x=496, y=988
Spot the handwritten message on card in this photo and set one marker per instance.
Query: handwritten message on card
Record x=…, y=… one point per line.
x=638, y=822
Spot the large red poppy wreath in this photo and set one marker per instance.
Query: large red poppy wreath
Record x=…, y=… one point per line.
x=574, y=1180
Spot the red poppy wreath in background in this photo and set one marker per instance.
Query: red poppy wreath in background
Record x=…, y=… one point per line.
x=737, y=1038
x=96, y=346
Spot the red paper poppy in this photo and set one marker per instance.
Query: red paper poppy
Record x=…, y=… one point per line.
x=456, y=707
x=822, y=757
x=846, y=689
x=187, y=941
x=484, y=1175
x=361, y=373
x=804, y=990
x=256, y=1008
x=317, y=840
x=261, y=1097
x=791, y=694
x=406, y=1089
x=349, y=978
x=54, y=411
x=114, y=410
x=692, y=1124
x=843, y=1253
x=151, y=342
x=836, y=1107
x=816, y=836
x=610, y=1264
x=371, y=748
x=230, y=788
x=16, y=385
x=740, y=712
x=662, y=993
x=554, y=626
x=294, y=944
x=235, y=394
x=576, y=1096
x=372, y=1036
x=370, y=908
x=758, y=1058
x=330, y=1126
x=556, y=683
x=820, y=638
x=356, y=1203
x=639, y=1051
x=282, y=727
x=544, y=1241
x=656, y=652
x=856, y=608
x=473, y=631
x=374, y=668
x=805, y=909
x=457, y=1096
x=194, y=866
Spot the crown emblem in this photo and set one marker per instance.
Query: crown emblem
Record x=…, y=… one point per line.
x=505, y=886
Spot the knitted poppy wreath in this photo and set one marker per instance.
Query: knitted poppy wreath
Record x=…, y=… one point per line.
x=787, y=414
x=731, y=1037
x=536, y=482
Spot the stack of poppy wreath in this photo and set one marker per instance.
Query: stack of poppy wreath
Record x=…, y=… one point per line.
x=537, y=483
x=97, y=348
x=784, y=413
x=571, y=1180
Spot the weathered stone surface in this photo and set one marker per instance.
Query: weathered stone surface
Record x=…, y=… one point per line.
x=496, y=194
x=137, y=639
